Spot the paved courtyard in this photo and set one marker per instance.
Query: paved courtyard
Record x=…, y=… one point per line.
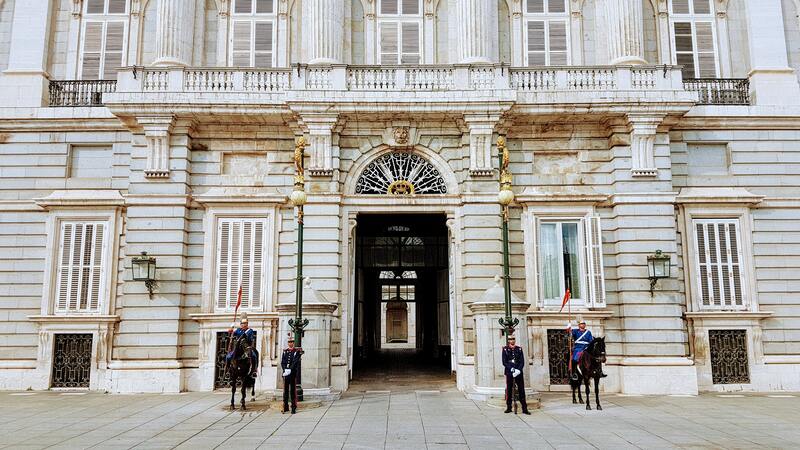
x=407, y=419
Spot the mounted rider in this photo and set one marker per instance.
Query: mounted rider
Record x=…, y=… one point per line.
x=581, y=338
x=249, y=334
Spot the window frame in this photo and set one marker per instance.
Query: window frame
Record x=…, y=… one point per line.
x=105, y=20
x=583, y=300
x=85, y=9
x=253, y=18
x=399, y=19
x=729, y=306
x=693, y=18
x=231, y=304
x=546, y=17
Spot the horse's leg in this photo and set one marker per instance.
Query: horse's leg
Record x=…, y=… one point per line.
x=233, y=390
x=244, y=392
x=572, y=386
x=578, y=388
x=597, y=392
x=588, y=397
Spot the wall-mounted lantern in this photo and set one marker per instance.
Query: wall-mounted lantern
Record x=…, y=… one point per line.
x=657, y=268
x=144, y=269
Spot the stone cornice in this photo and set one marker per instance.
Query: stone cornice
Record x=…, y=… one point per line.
x=82, y=199
x=74, y=319
x=717, y=196
x=225, y=198
x=728, y=315
x=225, y=317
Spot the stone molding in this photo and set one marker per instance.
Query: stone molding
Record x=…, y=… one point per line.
x=728, y=195
x=157, y=134
x=643, y=137
x=320, y=129
x=81, y=199
x=481, y=130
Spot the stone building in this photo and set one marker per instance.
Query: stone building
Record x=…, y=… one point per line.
x=168, y=127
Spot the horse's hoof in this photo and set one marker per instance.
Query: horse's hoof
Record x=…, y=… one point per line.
x=599, y=408
x=588, y=408
x=574, y=402
x=233, y=408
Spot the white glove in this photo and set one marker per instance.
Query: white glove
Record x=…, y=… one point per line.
x=233, y=325
x=569, y=324
x=515, y=372
x=287, y=372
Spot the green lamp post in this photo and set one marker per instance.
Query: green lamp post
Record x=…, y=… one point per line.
x=298, y=199
x=505, y=197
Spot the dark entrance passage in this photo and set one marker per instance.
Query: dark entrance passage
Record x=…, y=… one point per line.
x=402, y=313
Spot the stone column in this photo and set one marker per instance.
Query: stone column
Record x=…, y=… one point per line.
x=772, y=81
x=624, y=24
x=325, y=21
x=24, y=82
x=175, y=28
x=476, y=23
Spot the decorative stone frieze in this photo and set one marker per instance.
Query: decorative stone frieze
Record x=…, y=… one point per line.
x=325, y=21
x=643, y=138
x=157, y=132
x=480, y=144
x=175, y=33
x=624, y=22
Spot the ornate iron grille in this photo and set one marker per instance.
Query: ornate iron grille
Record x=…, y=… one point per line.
x=558, y=356
x=222, y=379
x=80, y=92
x=400, y=173
x=729, y=356
x=72, y=360
x=720, y=91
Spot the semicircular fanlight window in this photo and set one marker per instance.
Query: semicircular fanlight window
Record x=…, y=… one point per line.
x=400, y=173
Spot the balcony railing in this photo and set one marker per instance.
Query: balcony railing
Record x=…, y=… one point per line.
x=428, y=78
x=720, y=91
x=80, y=92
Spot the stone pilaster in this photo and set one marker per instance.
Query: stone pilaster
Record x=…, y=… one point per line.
x=643, y=138
x=25, y=81
x=772, y=81
x=477, y=21
x=175, y=28
x=157, y=132
x=324, y=157
x=480, y=143
x=325, y=21
x=624, y=24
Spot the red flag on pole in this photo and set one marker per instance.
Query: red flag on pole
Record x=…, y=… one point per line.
x=236, y=310
x=564, y=302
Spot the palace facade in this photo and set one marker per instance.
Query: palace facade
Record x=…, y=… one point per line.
x=169, y=127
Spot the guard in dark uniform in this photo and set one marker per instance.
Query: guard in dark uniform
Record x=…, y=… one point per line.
x=514, y=363
x=290, y=362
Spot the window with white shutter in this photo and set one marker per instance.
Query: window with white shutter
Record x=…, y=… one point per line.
x=570, y=256
x=694, y=38
x=718, y=259
x=240, y=262
x=400, y=32
x=253, y=34
x=103, y=39
x=81, y=267
x=547, y=32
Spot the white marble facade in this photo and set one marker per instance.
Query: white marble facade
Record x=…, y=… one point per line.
x=615, y=154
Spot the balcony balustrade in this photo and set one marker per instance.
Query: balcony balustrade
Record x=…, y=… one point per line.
x=79, y=92
x=720, y=91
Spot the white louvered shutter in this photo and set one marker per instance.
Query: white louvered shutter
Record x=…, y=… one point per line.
x=719, y=276
x=410, y=7
x=80, y=271
x=556, y=6
x=389, y=7
x=390, y=47
x=535, y=6
x=95, y=6
x=706, y=55
x=92, y=50
x=240, y=50
x=240, y=262
x=112, y=57
x=537, y=46
x=243, y=6
x=680, y=7
x=265, y=6
x=117, y=6
x=103, y=45
x=557, y=43
x=262, y=44
x=593, y=242
x=410, y=43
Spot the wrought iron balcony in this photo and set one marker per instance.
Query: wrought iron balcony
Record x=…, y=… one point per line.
x=80, y=92
x=720, y=91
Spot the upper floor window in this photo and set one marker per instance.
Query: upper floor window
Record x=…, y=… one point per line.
x=400, y=31
x=103, y=39
x=240, y=262
x=546, y=32
x=253, y=35
x=718, y=251
x=81, y=267
x=570, y=257
x=694, y=38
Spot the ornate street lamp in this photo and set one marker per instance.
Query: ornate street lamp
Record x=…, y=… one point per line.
x=657, y=268
x=143, y=268
x=298, y=198
x=505, y=197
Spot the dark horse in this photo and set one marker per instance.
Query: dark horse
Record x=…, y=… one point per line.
x=240, y=368
x=590, y=365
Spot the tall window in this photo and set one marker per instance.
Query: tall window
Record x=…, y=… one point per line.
x=240, y=262
x=694, y=38
x=718, y=263
x=253, y=33
x=81, y=267
x=400, y=31
x=104, y=36
x=570, y=257
x=546, y=32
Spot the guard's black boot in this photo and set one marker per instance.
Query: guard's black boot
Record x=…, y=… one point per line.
x=294, y=411
x=602, y=374
x=526, y=412
x=285, y=408
x=508, y=410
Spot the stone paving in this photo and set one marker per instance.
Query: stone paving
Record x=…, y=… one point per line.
x=406, y=419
